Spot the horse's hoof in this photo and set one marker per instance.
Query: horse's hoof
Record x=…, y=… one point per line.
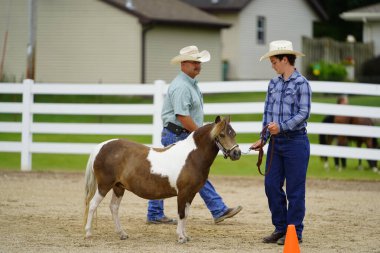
x=183, y=239
x=88, y=236
x=123, y=236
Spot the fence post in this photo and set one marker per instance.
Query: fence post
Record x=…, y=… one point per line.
x=26, y=135
x=158, y=101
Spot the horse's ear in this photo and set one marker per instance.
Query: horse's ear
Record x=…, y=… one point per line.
x=228, y=119
x=218, y=127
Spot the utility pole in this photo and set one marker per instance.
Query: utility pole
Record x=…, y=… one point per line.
x=31, y=49
x=5, y=41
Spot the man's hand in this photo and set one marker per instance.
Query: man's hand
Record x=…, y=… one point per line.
x=257, y=145
x=273, y=128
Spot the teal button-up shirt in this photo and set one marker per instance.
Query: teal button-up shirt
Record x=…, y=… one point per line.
x=183, y=98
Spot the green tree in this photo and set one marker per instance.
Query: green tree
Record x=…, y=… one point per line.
x=336, y=27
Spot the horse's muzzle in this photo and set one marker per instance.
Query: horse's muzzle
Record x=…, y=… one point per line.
x=235, y=154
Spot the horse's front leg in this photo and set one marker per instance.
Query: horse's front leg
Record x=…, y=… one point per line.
x=183, y=203
x=114, y=207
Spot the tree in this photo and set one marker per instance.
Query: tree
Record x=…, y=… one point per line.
x=336, y=27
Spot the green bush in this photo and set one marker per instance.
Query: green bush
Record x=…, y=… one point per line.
x=325, y=71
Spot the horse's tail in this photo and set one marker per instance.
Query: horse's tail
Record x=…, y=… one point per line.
x=90, y=184
x=323, y=140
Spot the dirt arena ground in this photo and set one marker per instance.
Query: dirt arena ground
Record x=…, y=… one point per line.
x=42, y=212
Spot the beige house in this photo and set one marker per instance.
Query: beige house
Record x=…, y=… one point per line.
x=254, y=24
x=107, y=41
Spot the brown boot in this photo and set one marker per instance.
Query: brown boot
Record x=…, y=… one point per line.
x=228, y=214
x=163, y=220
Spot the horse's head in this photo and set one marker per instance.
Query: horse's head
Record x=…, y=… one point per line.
x=224, y=136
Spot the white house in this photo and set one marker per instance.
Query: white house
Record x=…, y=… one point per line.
x=254, y=25
x=370, y=16
x=132, y=41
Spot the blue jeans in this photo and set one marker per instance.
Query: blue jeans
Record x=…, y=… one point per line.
x=211, y=198
x=289, y=162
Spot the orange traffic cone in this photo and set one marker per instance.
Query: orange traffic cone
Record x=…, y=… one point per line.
x=291, y=240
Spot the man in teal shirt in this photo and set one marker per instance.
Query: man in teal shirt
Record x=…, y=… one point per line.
x=182, y=113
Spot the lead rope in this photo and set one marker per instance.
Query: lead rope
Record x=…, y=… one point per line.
x=261, y=152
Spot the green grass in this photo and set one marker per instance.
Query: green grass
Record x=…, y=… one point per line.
x=244, y=167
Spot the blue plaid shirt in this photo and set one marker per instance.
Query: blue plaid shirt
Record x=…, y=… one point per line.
x=287, y=103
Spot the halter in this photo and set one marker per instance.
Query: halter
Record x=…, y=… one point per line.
x=226, y=152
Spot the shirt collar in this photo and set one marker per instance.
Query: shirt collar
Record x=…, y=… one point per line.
x=294, y=75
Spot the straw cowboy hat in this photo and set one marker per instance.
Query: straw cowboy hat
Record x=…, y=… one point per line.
x=191, y=53
x=280, y=47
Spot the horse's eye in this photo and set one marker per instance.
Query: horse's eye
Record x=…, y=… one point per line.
x=222, y=135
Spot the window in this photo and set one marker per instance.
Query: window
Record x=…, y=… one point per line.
x=261, y=30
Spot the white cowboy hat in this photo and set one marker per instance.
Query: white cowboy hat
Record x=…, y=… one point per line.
x=191, y=53
x=280, y=47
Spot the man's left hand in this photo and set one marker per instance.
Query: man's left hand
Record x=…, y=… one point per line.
x=273, y=128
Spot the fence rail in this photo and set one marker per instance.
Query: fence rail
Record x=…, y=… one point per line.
x=27, y=127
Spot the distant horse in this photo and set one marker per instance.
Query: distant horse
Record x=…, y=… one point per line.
x=328, y=140
x=156, y=173
x=344, y=140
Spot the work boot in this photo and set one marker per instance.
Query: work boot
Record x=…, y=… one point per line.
x=163, y=220
x=228, y=214
x=274, y=237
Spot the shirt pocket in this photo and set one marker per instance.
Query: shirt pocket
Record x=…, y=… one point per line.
x=273, y=95
x=290, y=96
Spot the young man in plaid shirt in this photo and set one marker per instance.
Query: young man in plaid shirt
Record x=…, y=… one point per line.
x=287, y=108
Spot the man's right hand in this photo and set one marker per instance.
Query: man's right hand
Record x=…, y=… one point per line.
x=257, y=145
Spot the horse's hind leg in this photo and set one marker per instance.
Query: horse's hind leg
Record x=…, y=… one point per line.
x=94, y=203
x=117, y=195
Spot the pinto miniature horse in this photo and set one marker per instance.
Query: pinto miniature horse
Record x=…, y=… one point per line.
x=156, y=173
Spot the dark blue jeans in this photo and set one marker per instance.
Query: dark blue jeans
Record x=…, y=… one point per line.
x=212, y=199
x=289, y=163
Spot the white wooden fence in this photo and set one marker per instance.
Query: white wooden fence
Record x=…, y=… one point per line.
x=27, y=127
